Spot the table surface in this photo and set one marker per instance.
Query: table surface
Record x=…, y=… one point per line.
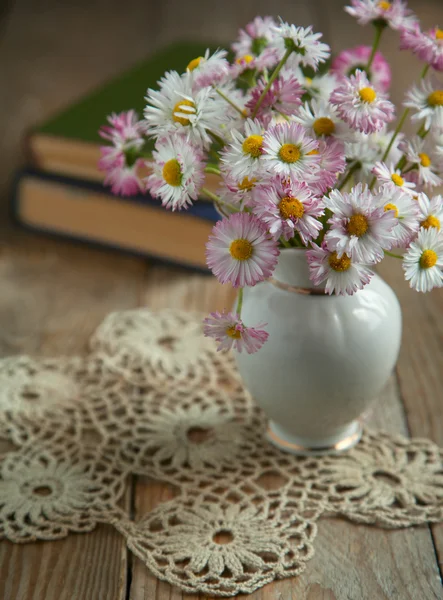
x=53, y=295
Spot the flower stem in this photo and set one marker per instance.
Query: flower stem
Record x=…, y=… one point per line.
x=274, y=75
x=377, y=37
x=425, y=71
x=229, y=101
x=213, y=170
x=218, y=200
x=285, y=243
x=239, y=301
x=349, y=174
x=393, y=255
x=216, y=137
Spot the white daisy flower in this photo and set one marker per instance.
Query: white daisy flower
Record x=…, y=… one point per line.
x=175, y=108
x=287, y=150
x=343, y=275
x=364, y=153
x=303, y=42
x=420, y=153
x=209, y=69
x=381, y=140
x=423, y=262
x=360, y=227
x=391, y=177
x=321, y=120
x=427, y=100
x=177, y=172
x=431, y=211
x=405, y=208
x=243, y=156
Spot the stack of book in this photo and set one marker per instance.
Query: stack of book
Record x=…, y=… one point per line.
x=62, y=193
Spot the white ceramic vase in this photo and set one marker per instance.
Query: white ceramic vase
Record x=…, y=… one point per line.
x=326, y=359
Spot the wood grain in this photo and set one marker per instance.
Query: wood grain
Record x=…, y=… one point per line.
x=52, y=298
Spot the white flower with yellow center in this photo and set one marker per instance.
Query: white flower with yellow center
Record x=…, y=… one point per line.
x=407, y=211
x=322, y=121
x=243, y=156
x=303, y=42
x=388, y=175
x=427, y=100
x=177, y=172
x=175, y=108
x=360, y=227
x=208, y=69
x=423, y=262
x=288, y=151
x=422, y=155
x=431, y=211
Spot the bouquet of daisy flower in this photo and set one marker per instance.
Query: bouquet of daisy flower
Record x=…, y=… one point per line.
x=304, y=154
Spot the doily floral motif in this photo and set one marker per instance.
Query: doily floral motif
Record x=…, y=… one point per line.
x=155, y=398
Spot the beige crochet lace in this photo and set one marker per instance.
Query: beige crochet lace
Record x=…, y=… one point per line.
x=153, y=397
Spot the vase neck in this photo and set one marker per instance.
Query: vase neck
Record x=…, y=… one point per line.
x=292, y=269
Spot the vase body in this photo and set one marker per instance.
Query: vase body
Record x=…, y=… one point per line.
x=327, y=357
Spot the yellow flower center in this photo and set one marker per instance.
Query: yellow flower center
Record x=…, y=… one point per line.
x=397, y=179
x=438, y=34
x=172, y=173
x=428, y=259
x=247, y=58
x=253, y=145
x=436, y=98
x=339, y=264
x=289, y=153
x=384, y=5
x=291, y=208
x=324, y=126
x=391, y=206
x=425, y=161
x=308, y=80
x=241, y=249
x=430, y=221
x=312, y=152
x=194, y=63
x=233, y=333
x=247, y=184
x=179, y=108
x=358, y=225
x=367, y=94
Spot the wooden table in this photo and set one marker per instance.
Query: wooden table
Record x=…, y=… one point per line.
x=53, y=295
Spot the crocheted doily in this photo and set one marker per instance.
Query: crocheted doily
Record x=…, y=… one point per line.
x=153, y=397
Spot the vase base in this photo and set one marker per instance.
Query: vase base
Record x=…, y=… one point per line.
x=293, y=444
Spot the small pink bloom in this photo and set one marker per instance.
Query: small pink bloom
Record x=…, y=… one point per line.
x=394, y=13
x=348, y=61
x=332, y=163
x=229, y=330
x=427, y=45
x=240, y=250
x=255, y=37
x=283, y=97
x=360, y=105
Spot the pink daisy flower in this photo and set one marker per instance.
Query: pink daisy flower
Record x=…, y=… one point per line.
x=392, y=177
x=332, y=162
x=237, y=191
x=208, y=70
x=283, y=97
x=304, y=43
x=288, y=207
x=360, y=105
x=255, y=37
x=421, y=153
x=360, y=227
x=343, y=275
x=405, y=208
x=121, y=161
x=348, y=61
x=394, y=13
x=427, y=45
x=240, y=250
x=228, y=329
x=177, y=172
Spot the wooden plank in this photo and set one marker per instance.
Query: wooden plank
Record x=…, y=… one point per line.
x=419, y=368
x=53, y=296
x=351, y=561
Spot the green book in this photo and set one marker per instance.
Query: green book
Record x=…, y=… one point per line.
x=69, y=144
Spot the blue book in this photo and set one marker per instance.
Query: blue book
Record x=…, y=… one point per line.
x=84, y=211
